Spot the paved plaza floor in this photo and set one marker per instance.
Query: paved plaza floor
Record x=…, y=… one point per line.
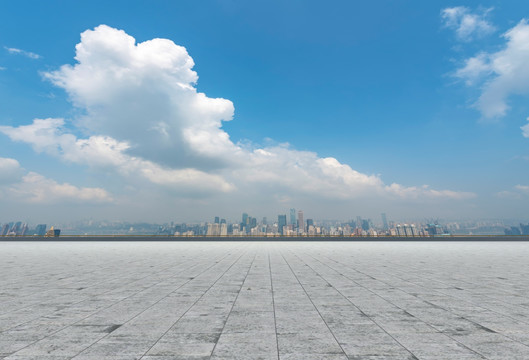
x=265, y=300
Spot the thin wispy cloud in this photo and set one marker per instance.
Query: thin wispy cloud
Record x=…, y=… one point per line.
x=467, y=24
x=517, y=192
x=19, y=185
x=25, y=53
x=501, y=74
x=525, y=130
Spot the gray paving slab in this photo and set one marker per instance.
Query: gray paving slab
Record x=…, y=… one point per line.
x=266, y=300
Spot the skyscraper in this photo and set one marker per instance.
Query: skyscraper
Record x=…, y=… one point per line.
x=24, y=230
x=244, y=218
x=301, y=223
x=16, y=228
x=293, y=216
x=217, y=220
x=281, y=223
x=365, y=225
x=384, y=222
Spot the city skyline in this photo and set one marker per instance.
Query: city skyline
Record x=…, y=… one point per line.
x=410, y=109
x=249, y=225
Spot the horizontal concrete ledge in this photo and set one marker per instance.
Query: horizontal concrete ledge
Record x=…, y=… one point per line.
x=263, y=238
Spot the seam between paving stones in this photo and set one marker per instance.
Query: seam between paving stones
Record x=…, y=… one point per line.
x=374, y=321
x=90, y=272
x=101, y=293
x=194, y=303
x=88, y=298
x=429, y=325
x=463, y=299
x=52, y=333
x=273, y=301
x=104, y=308
x=72, y=292
x=447, y=310
x=164, y=297
x=300, y=284
x=464, y=281
x=405, y=268
x=233, y=305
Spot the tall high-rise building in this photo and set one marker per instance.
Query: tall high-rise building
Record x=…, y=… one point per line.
x=217, y=220
x=365, y=225
x=244, y=218
x=434, y=229
x=310, y=222
x=384, y=221
x=410, y=230
x=5, y=230
x=301, y=223
x=359, y=222
x=265, y=221
x=223, y=221
x=213, y=229
x=223, y=229
x=15, y=229
x=23, y=230
x=293, y=216
x=281, y=223
x=513, y=231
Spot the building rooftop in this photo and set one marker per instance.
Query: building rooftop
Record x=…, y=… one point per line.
x=263, y=300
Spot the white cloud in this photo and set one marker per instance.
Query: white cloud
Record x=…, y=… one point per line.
x=10, y=171
x=502, y=73
x=35, y=188
x=2, y=68
x=523, y=189
x=525, y=129
x=467, y=25
x=28, y=54
x=149, y=124
x=424, y=192
x=19, y=185
x=144, y=94
x=517, y=192
x=106, y=153
x=475, y=69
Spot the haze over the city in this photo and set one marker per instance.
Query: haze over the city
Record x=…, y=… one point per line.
x=183, y=111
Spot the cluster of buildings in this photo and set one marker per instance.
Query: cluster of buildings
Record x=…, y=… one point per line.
x=517, y=230
x=22, y=229
x=293, y=223
x=17, y=228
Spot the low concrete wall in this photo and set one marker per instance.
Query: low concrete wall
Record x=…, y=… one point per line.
x=262, y=238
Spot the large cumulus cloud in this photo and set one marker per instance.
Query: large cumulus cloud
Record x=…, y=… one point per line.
x=145, y=119
x=144, y=94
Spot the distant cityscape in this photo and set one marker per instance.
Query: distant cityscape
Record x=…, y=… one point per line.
x=293, y=223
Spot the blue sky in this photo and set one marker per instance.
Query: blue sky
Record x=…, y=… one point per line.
x=390, y=90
